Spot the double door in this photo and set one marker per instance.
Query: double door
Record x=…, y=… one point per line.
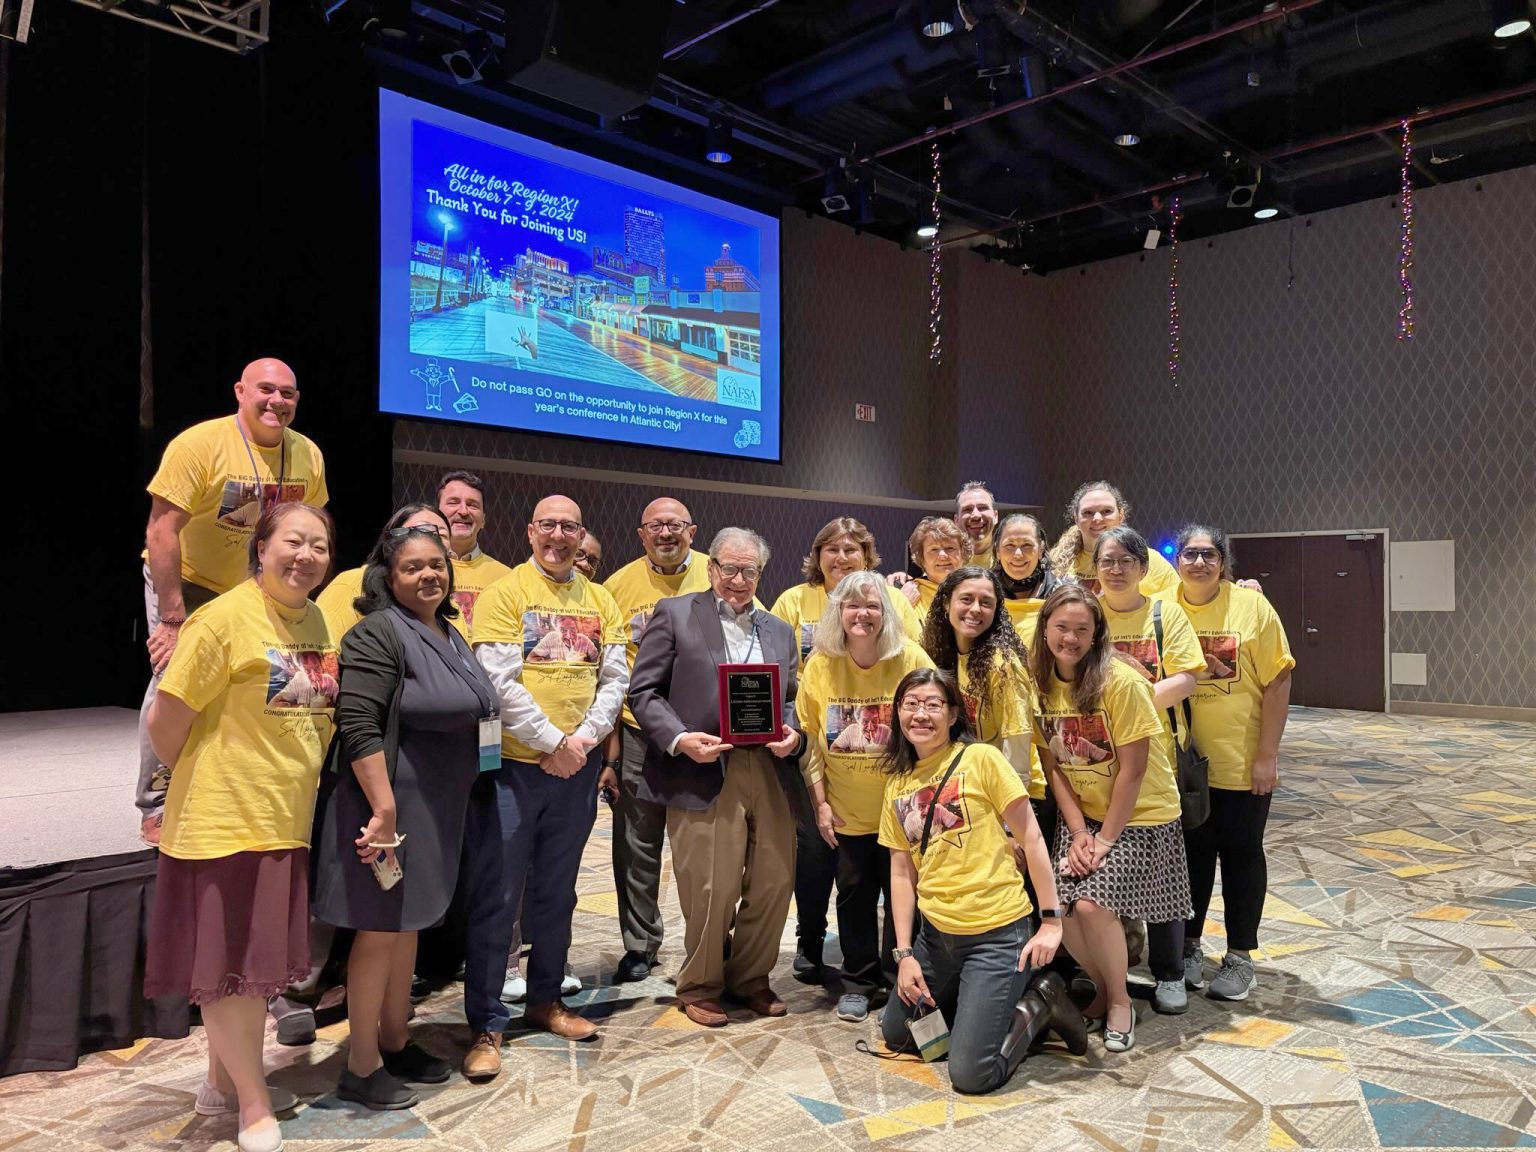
x=1330, y=592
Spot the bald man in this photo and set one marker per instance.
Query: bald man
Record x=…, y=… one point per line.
x=213, y=483
x=552, y=643
x=669, y=567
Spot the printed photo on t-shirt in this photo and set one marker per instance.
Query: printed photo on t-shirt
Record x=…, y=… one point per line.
x=306, y=678
x=949, y=816
x=464, y=601
x=1143, y=655
x=1079, y=741
x=1220, y=656
x=637, y=624
x=859, y=727
x=557, y=638
x=240, y=504
x=1091, y=584
x=972, y=708
x=807, y=634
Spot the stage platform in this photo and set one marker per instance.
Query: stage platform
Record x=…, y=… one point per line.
x=76, y=888
x=66, y=782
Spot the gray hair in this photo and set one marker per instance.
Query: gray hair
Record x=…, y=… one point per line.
x=727, y=535
x=975, y=486
x=831, y=641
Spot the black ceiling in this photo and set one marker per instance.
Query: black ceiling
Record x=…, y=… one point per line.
x=815, y=87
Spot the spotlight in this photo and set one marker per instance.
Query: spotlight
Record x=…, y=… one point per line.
x=391, y=21
x=1510, y=18
x=863, y=204
x=1127, y=139
x=717, y=141
x=833, y=199
x=926, y=228
x=1264, y=206
x=1240, y=183
x=936, y=18
x=466, y=63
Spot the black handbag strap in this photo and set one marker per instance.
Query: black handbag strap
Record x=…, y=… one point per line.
x=1157, y=631
x=937, y=792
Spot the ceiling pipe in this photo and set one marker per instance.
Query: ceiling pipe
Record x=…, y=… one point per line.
x=1439, y=112
x=678, y=49
x=849, y=65
x=1279, y=12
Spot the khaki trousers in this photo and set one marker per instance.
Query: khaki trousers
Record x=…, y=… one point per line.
x=736, y=860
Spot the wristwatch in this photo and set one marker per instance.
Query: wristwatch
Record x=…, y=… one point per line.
x=900, y=954
x=1052, y=914
x=614, y=764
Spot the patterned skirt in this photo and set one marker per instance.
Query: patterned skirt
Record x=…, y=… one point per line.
x=1145, y=876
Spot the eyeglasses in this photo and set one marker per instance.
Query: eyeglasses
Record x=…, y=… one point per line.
x=911, y=707
x=415, y=529
x=749, y=573
x=564, y=527
x=1192, y=555
x=657, y=527
x=1118, y=563
x=582, y=555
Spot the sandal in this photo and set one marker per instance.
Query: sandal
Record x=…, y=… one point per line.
x=1117, y=1041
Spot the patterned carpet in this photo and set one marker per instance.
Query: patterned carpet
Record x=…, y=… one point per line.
x=1396, y=1009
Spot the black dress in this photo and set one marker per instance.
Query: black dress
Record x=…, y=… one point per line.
x=418, y=696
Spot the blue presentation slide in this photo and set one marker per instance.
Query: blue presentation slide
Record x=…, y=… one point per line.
x=527, y=286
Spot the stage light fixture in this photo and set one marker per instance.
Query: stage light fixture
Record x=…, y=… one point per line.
x=717, y=141
x=936, y=18
x=1128, y=139
x=1510, y=17
x=926, y=228
x=833, y=198
x=1240, y=183
x=465, y=63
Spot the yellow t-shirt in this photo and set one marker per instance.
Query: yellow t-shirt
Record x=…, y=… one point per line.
x=562, y=629
x=967, y=882
x=637, y=587
x=206, y=472
x=335, y=601
x=1005, y=713
x=470, y=579
x=926, y=591
x=982, y=559
x=263, y=680
x=1086, y=746
x=845, y=712
x=1245, y=648
x=1025, y=615
x=801, y=607
x=1133, y=634
x=1160, y=577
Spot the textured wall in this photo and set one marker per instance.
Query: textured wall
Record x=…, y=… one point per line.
x=1298, y=410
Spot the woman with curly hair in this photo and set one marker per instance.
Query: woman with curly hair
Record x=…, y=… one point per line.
x=966, y=634
x=1095, y=507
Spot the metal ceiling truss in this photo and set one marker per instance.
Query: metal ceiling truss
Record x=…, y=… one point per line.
x=238, y=26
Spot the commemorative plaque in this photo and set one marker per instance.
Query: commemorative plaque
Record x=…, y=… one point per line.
x=751, y=709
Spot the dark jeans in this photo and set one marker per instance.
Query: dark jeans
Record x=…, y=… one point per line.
x=524, y=835
x=815, y=869
x=976, y=982
x=1234, y=837
x=863, y=876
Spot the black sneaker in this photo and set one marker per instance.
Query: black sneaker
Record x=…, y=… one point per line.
x=634, y=967
x=379, y=1091
x=420, y=989
x=416, y=1064
x=807, y=967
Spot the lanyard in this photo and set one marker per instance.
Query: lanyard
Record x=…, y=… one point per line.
x=282, y=468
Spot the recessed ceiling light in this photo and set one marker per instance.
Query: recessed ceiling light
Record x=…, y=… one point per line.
x=1127, y=139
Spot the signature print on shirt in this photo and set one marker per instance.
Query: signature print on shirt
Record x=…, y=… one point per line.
x=1080, y=741
x=1220, y=650
x=557, y=638
x=859, y=727
x=306, y=678
x=240, y=504
x=950, y=820
x=1143, y=654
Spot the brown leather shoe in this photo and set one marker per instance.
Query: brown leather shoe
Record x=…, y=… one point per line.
x=483, y=1060
x=557, y=1018
x=766, y=1002
x=706, y=1012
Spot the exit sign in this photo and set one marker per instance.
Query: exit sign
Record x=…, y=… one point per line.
x=865, y=412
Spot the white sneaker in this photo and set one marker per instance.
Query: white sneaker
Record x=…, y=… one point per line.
x=212, y=1102
x=570, y=984
x=515, y=990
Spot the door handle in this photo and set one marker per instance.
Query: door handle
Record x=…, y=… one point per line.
x=1311, y=631
x=1341, y=573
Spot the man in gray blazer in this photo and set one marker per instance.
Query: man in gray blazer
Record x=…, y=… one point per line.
x=725, y=806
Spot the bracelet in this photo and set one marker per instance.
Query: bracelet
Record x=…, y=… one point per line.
x=560, y=745
x=174, y=622
x=1078, y=832
x=613, y=763
x=900, y=954
x=1106, y=842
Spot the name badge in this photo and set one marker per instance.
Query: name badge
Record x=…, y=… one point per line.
x=490, y=743
x=929, y=1033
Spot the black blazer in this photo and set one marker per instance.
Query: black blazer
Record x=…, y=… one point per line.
x=675, y=688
